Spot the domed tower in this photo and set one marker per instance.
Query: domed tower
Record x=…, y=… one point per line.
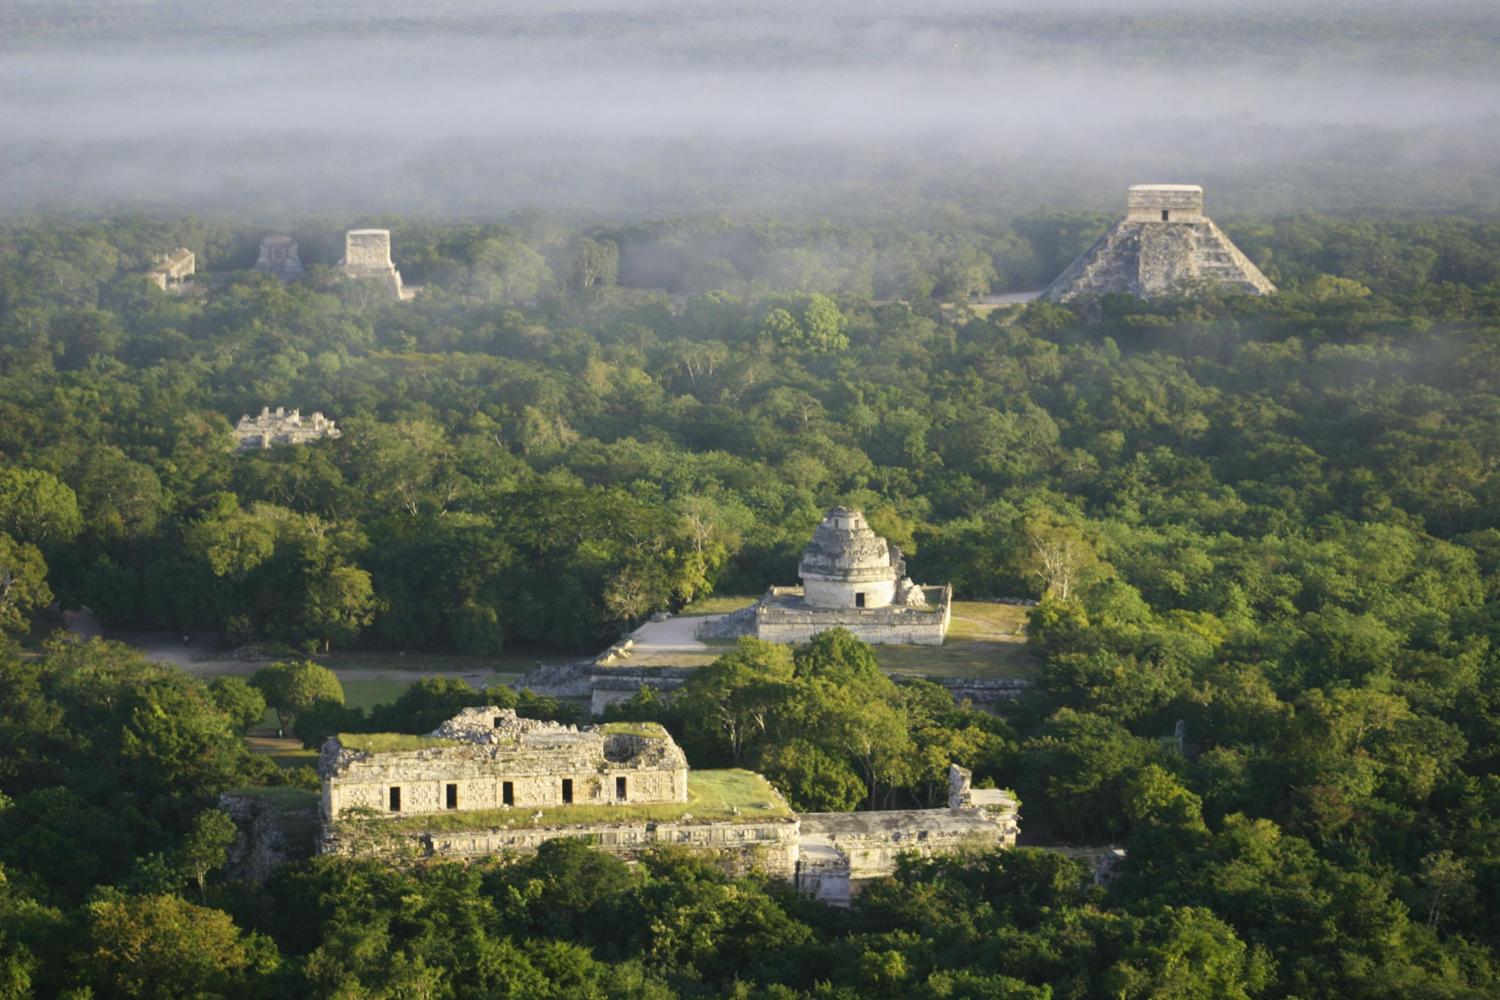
x=849, y=566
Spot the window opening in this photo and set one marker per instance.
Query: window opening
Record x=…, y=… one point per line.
x=1166, y=215
x=859, y=600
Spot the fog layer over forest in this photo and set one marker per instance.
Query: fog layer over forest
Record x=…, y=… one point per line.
x=629, y=107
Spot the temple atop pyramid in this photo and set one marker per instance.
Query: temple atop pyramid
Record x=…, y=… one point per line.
x=1165, y=245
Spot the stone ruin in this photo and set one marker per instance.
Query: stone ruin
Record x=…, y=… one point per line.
x=488, y=782
x=281, y=426
x=367, y=256
x=851, y=578
x=278, y=258
x=172, y=270
x=1165, y=245
x=488, y=758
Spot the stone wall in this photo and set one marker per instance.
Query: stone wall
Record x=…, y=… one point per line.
x=367, y=256
x=767, y=845
x=270, y=835
x=1181, y=202
x=841, y=851
x=781, y=617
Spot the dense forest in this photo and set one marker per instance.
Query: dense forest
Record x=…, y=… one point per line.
x=1277, y=520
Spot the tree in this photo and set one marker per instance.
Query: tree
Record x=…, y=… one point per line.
x=823, y=326
x=23, y=584
x=812, y=779
x=594, y=262
x=244, y=705
x=206, y=847
x=1057, y=554
x=231, y=541
x=339, y=604
x=37, y=507
x=290, y=688
x=161, y=946
x=730, y=700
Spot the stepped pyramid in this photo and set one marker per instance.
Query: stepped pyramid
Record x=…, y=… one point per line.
x=1165, y=245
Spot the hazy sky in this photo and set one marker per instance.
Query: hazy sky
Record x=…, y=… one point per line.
x=622, y=106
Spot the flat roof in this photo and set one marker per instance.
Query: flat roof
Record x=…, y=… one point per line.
x=369, y=232
x=1167, y=187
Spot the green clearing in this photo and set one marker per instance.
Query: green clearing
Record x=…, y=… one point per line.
x=366, y=694
x=283, y=751
x=984, y=640
x=713, y=796
x=719, y=604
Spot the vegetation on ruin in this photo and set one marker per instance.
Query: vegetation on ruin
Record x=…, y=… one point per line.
x=648, y=730
x=392, y=742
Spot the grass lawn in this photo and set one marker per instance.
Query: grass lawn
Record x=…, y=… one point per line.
x=719, y=604
x=713, y=796
x=984, y=640
x=283, y=751
x=366, y=694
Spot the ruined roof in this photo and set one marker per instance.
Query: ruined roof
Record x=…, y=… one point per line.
x=490, y=732
x=843, y=547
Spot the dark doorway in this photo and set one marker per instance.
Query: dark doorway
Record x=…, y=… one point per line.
x=859, y=600
x=508, y=793
x=498, y=722
x=1166, y=215
x=567, y=790
x=620, y=789
x=395, y=799
x=452, y=796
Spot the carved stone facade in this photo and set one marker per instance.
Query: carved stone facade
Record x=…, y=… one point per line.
x=853, y=579
x=1165, y=245
x=281, y=426
x=489, y=758
x=278, y=258
x=367, y=256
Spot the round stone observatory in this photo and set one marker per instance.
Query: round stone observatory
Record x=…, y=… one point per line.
x=849, y=566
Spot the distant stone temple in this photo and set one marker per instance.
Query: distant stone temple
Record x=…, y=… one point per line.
x=851, y=578
x=278, y=258
x=488, y=782
x=367, y=256
x=172, y=270
x=1165, y=245
x=281, y=426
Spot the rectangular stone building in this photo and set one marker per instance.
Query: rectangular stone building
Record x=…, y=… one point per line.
x=489, y=758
